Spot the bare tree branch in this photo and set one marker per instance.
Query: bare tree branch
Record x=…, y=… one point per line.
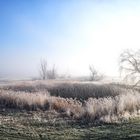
x=43, y=69
x=94, y=74
x=130, y=65
x=45, y=72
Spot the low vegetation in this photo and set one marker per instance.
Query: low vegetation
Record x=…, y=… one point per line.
x=80, y=91
x=64, y=111
x=49, y=125
x=105, y=103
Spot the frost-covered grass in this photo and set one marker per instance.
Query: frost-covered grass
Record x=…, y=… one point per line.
x=38, y=110
x=49, y=125
x=79, y=90
x=111, y=105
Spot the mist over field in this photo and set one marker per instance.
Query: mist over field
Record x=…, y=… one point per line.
x=70, y=34
x=69, y=69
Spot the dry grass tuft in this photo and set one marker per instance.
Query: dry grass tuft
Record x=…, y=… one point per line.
x=23, y=100
x=81, y=91
x=111, y=109
x=101, y=103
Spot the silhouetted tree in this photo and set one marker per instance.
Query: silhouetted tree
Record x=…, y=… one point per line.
x=94, y=74
x=45, y=72
x=130, y=66
x=43, y=69
x=51, y=73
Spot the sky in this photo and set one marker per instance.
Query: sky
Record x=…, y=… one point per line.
x=72, y=34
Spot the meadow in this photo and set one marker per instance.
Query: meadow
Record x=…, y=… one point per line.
x=68, y=110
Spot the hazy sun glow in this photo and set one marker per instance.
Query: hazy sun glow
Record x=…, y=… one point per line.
x=70, y=34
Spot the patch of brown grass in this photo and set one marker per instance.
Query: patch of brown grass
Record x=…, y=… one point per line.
x=106, y=108
x=81, y=91
x=23, y=100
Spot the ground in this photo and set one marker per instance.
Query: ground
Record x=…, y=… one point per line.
x=50, y=125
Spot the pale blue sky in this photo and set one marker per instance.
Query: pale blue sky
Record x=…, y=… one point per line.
x=68, y=33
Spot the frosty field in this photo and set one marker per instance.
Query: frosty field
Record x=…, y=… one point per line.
x=54, y=110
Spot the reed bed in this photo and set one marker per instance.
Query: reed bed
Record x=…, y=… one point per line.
x=80, y=91
x=106, y=109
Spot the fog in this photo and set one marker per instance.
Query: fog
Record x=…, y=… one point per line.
x=70, y=34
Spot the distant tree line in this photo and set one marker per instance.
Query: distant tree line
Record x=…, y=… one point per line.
x=129, y=66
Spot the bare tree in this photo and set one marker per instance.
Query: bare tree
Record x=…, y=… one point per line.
x=51, y=73
x=130, y=66
x=94, y=74
x=45, y=72
x=43, y=69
